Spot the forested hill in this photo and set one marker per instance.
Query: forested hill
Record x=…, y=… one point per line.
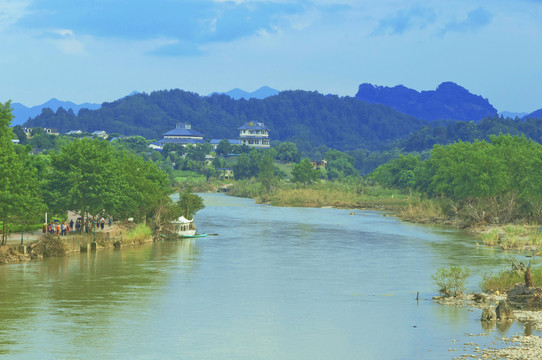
x=534, y=115
x=448, y=102
x=309, y=118
x=468, y=131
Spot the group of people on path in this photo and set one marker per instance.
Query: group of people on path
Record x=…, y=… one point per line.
x=58, y=228
x=64, y=228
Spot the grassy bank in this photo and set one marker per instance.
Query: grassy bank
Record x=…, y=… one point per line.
x=139, y=234
x=513, y=237
x=358, y=194
x=348, y=195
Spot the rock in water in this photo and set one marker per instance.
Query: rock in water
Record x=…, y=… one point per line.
x=504, y=310
x=489, y=314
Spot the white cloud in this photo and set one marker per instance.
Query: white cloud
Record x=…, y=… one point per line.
x=65, y=33
x=11, y=11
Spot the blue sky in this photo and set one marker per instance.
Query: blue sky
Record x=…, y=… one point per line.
x=101, y=50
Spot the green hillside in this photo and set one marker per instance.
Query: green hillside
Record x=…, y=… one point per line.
x=310, y=119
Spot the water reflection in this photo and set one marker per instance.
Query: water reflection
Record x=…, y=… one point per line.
x=502, y=326
x=80, y=297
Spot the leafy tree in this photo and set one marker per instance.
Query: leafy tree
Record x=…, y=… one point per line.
x=83, y=178
x=223, y=148
x=42, y=140
x=246, y=167
x=91, y=176
x=156, y=156
x=179, y=149
x=19, y=192
x=399, y=172
x=190, y=204
x=141, y=187
x=195, y=153
x=137, y=144
x=21, y=135
x=340, y=165
x=206, y=148
x=266, y=174
x=37, y=131
x=287, y=151
x=304, y=172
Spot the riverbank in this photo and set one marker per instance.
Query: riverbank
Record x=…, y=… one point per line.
x=40, y=245
x=408, y=207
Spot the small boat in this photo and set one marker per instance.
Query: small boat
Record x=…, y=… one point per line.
x=184, y=227
x=194, y=236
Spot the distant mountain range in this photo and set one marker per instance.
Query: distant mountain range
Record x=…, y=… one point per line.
x=512, y=115
x=534, y=115
x=261, y=93
x=22, y=113
x=448, y=102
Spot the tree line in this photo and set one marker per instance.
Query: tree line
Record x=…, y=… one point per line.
x=88, y=176
x=493, y=181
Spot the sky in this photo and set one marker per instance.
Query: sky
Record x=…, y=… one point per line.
x=102, y=50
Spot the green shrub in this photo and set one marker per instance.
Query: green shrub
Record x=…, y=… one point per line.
x=501, y=281
x=506, y=279
x=451, y=280
x=139, y=234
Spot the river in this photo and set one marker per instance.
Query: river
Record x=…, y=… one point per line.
x=276, y=283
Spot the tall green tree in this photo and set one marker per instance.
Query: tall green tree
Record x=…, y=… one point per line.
x=304, y=172
x=190, y=204
x=246, y=166
x=21, y=135
x=287, y=151
x=266, y=174
x=223, y=148
x=84, y=178
x=91, y=176
x=20, y=198
x=340, y=165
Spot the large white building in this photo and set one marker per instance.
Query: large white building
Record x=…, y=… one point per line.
x=254, y=134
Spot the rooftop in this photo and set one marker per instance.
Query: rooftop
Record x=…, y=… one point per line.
x=183, y=132
x=251, y=125
x=179, y=141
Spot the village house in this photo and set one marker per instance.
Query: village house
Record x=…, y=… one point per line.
x=100, y=133
x=254, y=134
x=49, y=131
x=74, y=132
x=322, y=164
x=182, y=134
